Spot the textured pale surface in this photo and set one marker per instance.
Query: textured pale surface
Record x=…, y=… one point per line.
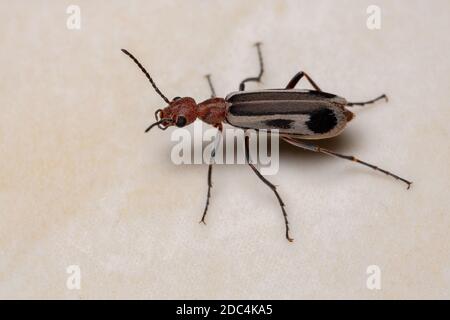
x=80, y=184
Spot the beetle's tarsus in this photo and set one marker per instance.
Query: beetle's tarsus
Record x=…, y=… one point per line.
x=208, y=195
x=363, y=103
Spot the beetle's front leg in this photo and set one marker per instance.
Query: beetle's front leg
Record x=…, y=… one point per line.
x=213, y=92
x=270, y=185
x=213, y=154
x=261, y=69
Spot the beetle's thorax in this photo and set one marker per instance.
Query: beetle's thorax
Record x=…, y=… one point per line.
x=212, y=111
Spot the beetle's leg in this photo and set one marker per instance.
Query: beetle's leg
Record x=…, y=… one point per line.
x=213, y=92
x=213, y=154
x=270, y=185
x=383, y=96
x=261, y=69
x=295, y=79
x=315, y=148
x=209, y=192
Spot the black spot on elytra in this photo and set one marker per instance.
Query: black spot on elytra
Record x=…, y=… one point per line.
x=279, y=123
x=322, y=121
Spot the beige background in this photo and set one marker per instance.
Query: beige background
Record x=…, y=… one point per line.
x=80, y=184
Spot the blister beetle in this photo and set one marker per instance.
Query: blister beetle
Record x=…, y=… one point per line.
x=297, y=115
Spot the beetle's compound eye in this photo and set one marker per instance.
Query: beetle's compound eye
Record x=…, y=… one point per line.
x=181, y=122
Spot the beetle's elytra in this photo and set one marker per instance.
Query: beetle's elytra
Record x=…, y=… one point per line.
x=308, y=114
x=297, y=114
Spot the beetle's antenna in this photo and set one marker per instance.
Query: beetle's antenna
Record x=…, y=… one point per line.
x=157, y=123
x=147, y=75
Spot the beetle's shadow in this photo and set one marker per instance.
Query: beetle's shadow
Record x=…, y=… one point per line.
x=345, y=143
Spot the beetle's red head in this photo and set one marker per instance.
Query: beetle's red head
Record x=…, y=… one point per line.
x=180, y=112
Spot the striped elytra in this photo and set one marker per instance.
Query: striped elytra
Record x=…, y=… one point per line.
x=305, y=113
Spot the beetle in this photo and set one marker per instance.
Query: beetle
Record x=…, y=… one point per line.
x=297, y=114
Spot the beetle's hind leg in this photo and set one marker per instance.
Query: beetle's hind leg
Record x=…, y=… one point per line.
x=295, y=79
x=315, y=148
x=270, y=185
x=261, y=69
x=363, y=103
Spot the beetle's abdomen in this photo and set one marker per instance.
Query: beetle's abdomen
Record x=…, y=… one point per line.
x=309, y=116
